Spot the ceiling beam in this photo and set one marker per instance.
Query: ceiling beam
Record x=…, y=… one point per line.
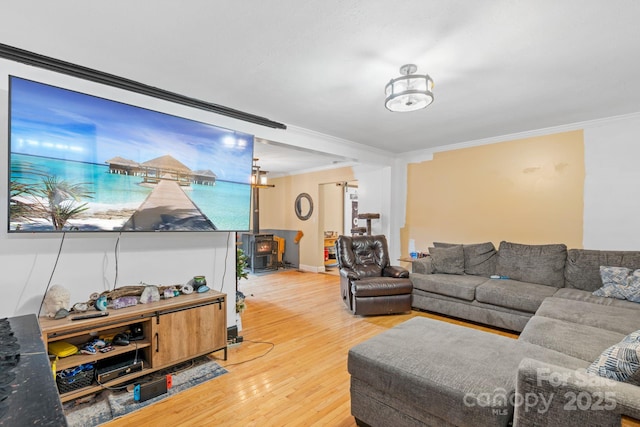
x=63, y=67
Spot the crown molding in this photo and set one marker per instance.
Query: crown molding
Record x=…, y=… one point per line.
x=340, y=141
x=417, y=156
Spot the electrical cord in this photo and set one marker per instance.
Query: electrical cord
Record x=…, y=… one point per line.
x=117, y=257
x=122, y=387
x=52, y=273
x=186, y=368
x=257, y=357
x=226, y=257
x=154, y=376
x=106, y=387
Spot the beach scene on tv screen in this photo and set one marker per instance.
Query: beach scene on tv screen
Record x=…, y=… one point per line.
x=84, y=163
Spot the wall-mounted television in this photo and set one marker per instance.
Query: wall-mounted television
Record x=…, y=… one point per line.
x=83, y=163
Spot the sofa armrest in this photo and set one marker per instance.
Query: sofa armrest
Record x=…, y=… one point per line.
x=422, y=265
x=395, y=271
x=570, y=397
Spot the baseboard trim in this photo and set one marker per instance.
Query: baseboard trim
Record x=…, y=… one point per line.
x=311, y=268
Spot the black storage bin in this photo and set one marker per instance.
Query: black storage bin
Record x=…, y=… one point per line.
x=84, y=378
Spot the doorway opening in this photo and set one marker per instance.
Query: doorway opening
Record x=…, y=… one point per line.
x=338, y=211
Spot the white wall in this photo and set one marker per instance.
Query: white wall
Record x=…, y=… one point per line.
x=87, y=264
x=374, y=195
x=612, y=184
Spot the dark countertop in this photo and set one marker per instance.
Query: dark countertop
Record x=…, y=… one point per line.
x=34, y=399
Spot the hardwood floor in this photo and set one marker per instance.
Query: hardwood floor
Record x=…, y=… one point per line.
x=292, y=368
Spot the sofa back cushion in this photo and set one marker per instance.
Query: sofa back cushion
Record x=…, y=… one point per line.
x=582, y=270
x=542, y=264
x=479, y=258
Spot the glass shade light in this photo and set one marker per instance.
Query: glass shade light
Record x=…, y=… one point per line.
x=259, y=177
x=409, y=92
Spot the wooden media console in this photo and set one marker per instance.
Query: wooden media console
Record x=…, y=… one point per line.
x=174, y=330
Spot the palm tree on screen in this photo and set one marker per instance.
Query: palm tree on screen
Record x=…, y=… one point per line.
x=62, y=200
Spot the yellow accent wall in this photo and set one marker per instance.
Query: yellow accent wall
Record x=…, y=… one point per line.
x=332, y=207
x=525, y=191
x=277, y=209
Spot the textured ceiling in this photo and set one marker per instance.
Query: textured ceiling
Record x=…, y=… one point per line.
x=499, y=66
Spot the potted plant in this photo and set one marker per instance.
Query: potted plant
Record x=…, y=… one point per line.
x=240, y=305
x=241, y=273
x=241, y=265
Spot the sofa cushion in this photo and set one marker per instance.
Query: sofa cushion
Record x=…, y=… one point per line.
x=580, y=295
x=479, y=258
x=474, y=311
x=581, y=341
x=621, y=361
x=463, y=287
x=543, y=264
x=513, y=294
x=611, y=318
x=582, y=270
x=448, y=260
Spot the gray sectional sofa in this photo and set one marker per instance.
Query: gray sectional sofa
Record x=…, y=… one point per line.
x=455, y=279
x=426, y=372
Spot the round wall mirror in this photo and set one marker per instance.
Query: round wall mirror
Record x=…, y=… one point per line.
x=304, y=206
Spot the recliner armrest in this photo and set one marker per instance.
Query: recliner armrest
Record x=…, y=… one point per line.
x=395, y=271
x=349, y=274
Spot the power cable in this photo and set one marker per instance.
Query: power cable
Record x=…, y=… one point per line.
x=52, y=273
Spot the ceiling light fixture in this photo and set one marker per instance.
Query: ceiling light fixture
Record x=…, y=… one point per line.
x=259, y=177
x=410, y=91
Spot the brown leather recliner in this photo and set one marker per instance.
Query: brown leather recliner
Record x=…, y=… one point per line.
x=368, y=283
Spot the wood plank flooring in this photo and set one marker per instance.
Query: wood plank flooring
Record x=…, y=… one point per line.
x=292, y=368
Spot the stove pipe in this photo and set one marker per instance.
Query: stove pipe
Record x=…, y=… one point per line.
x=256, y=210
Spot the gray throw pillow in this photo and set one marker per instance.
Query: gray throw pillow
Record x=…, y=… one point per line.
x=620, y=362
x=447, y=260
x=541, y=264
x=480, y=259
x=445, y=245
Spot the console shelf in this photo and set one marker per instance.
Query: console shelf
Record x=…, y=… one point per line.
x=94, y=388
x=165, y=325
x=79, y=359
